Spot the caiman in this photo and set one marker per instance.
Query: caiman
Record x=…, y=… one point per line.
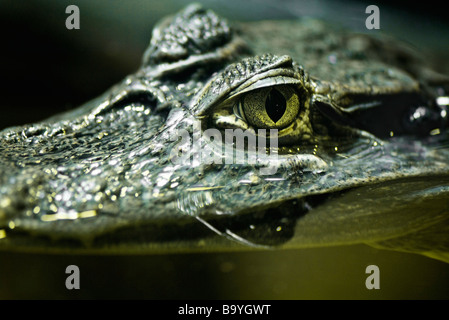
x=352, y=147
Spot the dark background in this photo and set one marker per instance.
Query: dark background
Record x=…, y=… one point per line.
x=47, y=68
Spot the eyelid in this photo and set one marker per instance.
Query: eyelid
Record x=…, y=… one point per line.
x=238, y=76
x=264, y=82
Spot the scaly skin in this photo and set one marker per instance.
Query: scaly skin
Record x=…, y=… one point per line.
x=104, y=177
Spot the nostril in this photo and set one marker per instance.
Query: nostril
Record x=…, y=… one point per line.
x=140, y=97
x=35, y=131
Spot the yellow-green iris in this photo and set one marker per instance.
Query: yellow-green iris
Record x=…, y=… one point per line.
x=270, y=108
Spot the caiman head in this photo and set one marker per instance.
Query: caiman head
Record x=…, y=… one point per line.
x=213, y=145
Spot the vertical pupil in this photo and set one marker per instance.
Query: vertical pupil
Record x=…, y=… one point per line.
x=275, y=105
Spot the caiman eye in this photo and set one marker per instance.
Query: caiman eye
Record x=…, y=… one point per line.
x=273, y=107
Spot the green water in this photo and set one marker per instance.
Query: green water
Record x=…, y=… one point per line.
x=321, y=273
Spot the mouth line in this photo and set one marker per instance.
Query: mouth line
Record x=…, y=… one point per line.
x=263, y=227
x=260, y=227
